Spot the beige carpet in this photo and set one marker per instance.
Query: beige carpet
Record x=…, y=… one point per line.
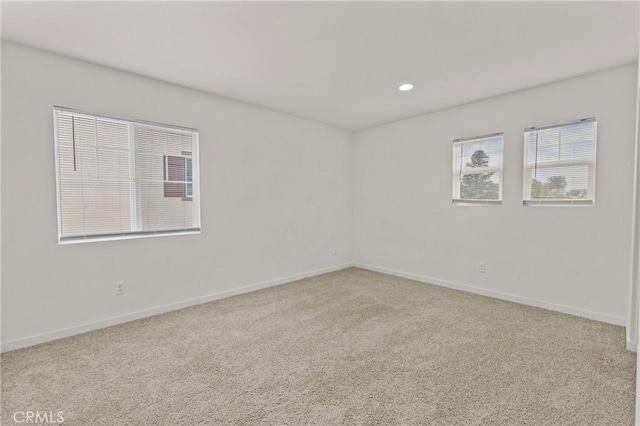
x=349, y=347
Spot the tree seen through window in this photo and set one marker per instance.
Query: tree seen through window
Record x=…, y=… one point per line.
x=479, y=186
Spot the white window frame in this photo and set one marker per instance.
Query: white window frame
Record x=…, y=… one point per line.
x=136, y=232
x=528, y=167
x=457, y=173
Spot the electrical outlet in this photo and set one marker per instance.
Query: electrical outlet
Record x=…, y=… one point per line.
x=482, y=267
x=119, y=288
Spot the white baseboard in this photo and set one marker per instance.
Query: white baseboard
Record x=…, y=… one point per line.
x=108, y=322
x=499, y=295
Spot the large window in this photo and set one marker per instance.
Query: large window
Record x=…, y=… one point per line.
x=120, y=179
x=560, y=163
x=477, y=169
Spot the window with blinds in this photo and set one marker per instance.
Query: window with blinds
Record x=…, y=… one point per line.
x=560, y=163
x=118, y=178
x=477, y=169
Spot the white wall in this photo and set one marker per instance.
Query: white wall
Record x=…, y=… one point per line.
x=632, y=318
x=632, y=328
x=275, y=194
x=279, y=192
x=574, y=259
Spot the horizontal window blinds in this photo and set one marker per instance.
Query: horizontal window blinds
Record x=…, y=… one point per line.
x=119, y=178
x=560, y=163
x=477, y=169
x=95, y=169
x=164, y=182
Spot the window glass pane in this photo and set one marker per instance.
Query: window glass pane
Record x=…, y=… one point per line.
x=480, y=186
x=93, y=176
x=178, y=144
x=562, y=142
x=161, y=212
x=112, y=134
x=151, y=167
x=487, y=154
x=560, y=183
x=176, y=169
x=114, y=164
x=477, y=168
x=151, y=141
x=167, y=203
x=116, y=177
x=174, y=189
x=189, y=166
x=561, y=162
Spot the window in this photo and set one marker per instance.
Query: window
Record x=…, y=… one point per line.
x=477, y=169
x=120, y=179
x=560, y=163
x=178, y=176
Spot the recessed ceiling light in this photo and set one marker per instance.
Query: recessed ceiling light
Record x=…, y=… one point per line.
x=405, y=87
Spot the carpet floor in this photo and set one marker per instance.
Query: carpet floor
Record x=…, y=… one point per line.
x=348, y=347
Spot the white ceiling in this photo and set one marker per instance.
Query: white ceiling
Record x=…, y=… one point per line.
x=338, y=62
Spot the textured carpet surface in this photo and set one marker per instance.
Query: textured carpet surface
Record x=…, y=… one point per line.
x=349, y=347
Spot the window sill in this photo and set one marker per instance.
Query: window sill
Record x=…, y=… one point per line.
x=476, y=202
x=126, y=236
x=558, y=203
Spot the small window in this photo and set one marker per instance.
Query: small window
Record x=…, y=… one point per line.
x=178, y=176
x=118, y=178
x=477, y=169
x=560, y=163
